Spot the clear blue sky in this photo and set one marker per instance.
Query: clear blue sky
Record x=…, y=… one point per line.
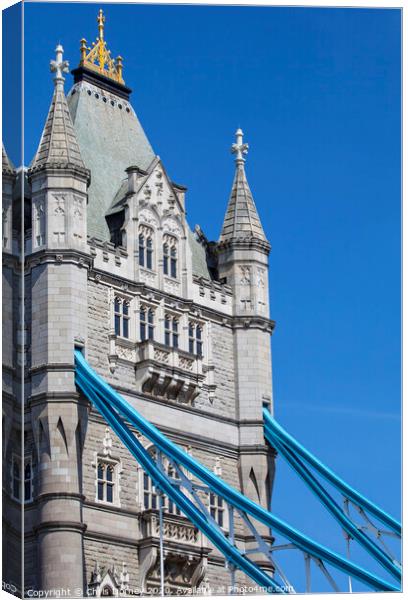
x=317, y=93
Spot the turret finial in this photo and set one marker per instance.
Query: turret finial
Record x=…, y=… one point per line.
x=100, y=19
x=59, y=66
x=239, y=149
x=98, y=57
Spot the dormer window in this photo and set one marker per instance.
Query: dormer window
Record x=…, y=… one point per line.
x=195, y=339
x=170, y=256
x=171, y=331
x=145, y=247
x=121, y=311
x=146, y=323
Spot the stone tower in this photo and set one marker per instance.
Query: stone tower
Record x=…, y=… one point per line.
x=243, y=252
x=57, y=274
x=177, y=324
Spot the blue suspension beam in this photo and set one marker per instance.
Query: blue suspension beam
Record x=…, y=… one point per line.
x=85, y=373
x=329, y=475
x=161, y=481
x=379, y=555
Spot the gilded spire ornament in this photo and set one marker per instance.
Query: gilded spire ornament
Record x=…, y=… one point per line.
x=98, y=58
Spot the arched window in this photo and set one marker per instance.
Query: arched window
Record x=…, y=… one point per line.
x=146, y=247
x=170, y=256
x=173, y=262
x=171, y=331
x=150, y=496
x=121, y=310
x=149, y=253
x=142, y=249
x=217, y=509
x=195, y=339
x=146, y=323
x=166, y=257
x=106, y=482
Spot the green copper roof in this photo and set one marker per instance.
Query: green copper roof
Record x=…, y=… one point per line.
x=111, y=139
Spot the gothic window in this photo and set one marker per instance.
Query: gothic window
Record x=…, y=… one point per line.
x=173, y=262
x=171, y=331
x=121, y=310
x=166, y=258
x=216, y=506
x=21, y=478
x=170, y=257
x=146, y=323
x=145, y=247
x=150, y=496
x=106, y=481
x=195, y=339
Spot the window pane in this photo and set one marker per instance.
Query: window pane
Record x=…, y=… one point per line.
x=175, y=325
x=125, y=308
x=191, y=346
x=191, y=330
x=146, y=501
x=175, y=340
x=100, y=491
x=166, y=265
x=198, y=333
x=199, y=348
x=142, y=331
x=213, y=512
x=165, y=250
x=142, y=314
x=27, y=471
x=117, y=305
x=150, y=316
x=146, y=482
x=151, y=332
x=212, y=498
x=220, y=518
x=154, y=501
x=100, y=471
x=117, y=324
x=109, y=492
x=16, y=469
x=167, y=338
x=109, y=474
x=149, y=243
x=27, y=490
x=220, y=503
x=149, y=259
x=173, y=267
x=173, y=252
x=126, y=328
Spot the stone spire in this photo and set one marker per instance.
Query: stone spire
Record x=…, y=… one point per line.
x=7, y=165
x=241, y=220
x=58, y=146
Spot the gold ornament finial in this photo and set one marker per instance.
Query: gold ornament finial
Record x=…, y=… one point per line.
x=98, y=57
x=101, y=23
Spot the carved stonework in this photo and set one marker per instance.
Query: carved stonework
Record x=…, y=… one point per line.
x=172, y=226
x=148, y=217
x=171, y=286
x=245, y=274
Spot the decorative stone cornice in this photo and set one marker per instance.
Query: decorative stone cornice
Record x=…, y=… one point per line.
x=58, y=256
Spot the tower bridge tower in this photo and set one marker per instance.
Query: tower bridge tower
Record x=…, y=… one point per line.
x=113, y=267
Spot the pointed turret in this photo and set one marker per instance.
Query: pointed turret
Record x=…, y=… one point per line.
x=7, y=166
x=241, y=220
x=58, y=146
x=243, y=265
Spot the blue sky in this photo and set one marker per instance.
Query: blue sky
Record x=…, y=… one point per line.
x=317, y=93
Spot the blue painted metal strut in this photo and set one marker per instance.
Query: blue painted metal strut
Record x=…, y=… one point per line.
x=368, y=544
x=330, y=476
x=111, y=403
x=161, y=481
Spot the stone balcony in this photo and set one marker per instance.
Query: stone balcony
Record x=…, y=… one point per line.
x=161, y=371
x=176, y=529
